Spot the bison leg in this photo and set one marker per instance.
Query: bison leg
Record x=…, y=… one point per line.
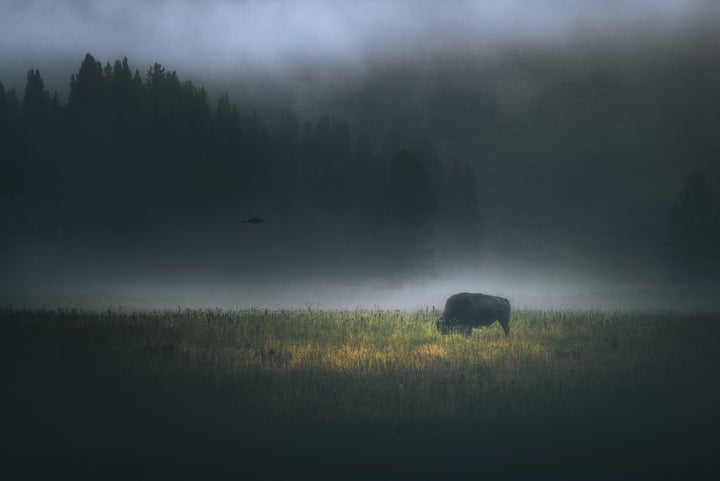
x=505, y=323
x=441, y=326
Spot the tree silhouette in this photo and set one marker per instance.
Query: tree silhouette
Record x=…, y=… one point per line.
x=10, y=148
x=694, y=231
x=4, y=120
x=425, y=151
x=6, y=174
x=408, y=207
x=87, y=99
x=13, y=107
x=35, y=106
x=461, y=213
x=131, y=157
x=227, y=145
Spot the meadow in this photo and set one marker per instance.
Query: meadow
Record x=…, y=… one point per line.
x=359, y=394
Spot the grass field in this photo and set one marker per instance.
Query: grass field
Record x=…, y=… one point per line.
x=359, y=395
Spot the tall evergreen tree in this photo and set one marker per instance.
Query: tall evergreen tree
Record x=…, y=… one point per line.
x=13, y=108
x=4, y=122
x=366, y=180
x=10, y=126
x=3, y=108
x=55, y=108
x=6, y=152
x=226, y=148
x=35, y=106
x=88, y=90
x=408, y=207
x=694, y=231
x=89, y=117
x=284, y=171
x=461, y=213
x=120, y=95
x=434, y=167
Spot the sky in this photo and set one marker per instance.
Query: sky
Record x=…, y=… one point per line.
x=582, y=213
x=230, y=36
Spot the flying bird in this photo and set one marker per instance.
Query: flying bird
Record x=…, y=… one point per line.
x=253, y=220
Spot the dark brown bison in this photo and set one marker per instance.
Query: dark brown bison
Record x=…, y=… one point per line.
x=465, y=311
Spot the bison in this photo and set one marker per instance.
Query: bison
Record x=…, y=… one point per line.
x=465, y=311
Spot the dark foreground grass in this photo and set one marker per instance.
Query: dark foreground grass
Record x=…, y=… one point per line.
x=358, y=395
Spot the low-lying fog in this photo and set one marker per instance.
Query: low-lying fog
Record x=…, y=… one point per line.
x=531, y=290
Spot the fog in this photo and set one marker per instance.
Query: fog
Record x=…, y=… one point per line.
x=37, y=279
x=221, y=39
x=222, y=33
x=579, y=121
x=556, y=291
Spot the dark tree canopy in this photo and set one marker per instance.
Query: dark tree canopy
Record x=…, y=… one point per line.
x=408, y=208
x=461, y=212
x=4, y=114
x=140, y=157
x=694, y=231
x=35, y=106
x=147, y=157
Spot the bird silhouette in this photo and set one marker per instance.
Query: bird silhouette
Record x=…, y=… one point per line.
x=253, y=220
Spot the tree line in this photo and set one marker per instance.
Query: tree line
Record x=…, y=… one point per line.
x=129, y=154
x=133, y=156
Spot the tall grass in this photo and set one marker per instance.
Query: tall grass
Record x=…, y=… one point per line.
x=388, y=365
x=571, y=394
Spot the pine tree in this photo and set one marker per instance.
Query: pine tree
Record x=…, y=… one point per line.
x=3, y=109
x=88, y=89
x=408, y=207
x=12, y=112
x=694, y=231
x=461, y=208
x=35, y=106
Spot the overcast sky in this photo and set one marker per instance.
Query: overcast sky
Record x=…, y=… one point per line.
x=236, y=35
